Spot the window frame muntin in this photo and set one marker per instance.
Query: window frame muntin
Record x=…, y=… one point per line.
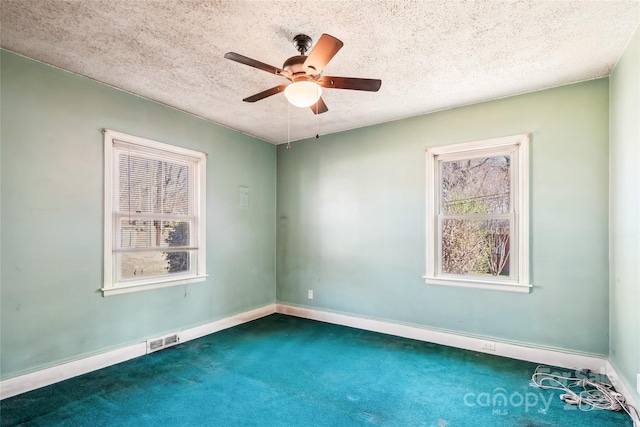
x=110, y=284
x=519, y=201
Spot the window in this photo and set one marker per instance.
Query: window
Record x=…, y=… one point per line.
x=477, y=214
x=154, y=228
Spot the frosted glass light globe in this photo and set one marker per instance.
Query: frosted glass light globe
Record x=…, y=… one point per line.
x=303, y=94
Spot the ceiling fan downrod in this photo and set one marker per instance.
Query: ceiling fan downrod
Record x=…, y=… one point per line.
x=302, y=42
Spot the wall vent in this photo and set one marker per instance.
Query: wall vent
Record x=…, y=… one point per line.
x=153, y=345
x=171, y=340
x=156, y=344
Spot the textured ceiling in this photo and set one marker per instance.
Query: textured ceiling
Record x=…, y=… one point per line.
x=429, y=55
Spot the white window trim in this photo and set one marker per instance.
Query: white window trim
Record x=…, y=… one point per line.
x=521, y=206
x=110, y=287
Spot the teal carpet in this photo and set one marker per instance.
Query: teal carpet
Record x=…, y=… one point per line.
x=286, y=371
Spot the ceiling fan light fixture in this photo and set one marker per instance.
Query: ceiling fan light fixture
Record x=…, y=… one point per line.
x=303, y=93
x=305, y=74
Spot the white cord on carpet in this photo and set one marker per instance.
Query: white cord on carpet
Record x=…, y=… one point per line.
x=594, y=394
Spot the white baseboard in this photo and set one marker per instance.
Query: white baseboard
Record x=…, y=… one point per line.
x=227, y=322
x=514, y=351
x=44, y=377
x=621, y=387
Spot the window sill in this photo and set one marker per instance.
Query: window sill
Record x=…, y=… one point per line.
x=151, y=284
x=493, y=285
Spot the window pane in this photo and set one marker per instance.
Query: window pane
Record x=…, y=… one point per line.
x=476, y=247
x=152, y=186
x=178, y=261
x=137, y=265
x=148, y=233
x=476, y=186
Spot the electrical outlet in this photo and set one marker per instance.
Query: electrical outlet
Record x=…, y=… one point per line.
x=310, y=294
x=488, y=345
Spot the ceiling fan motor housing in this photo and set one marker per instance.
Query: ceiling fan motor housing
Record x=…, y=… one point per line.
x=294, y=64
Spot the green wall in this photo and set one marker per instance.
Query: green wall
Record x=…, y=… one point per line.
x=625, y=214
x=52, y=213
x=351, y=221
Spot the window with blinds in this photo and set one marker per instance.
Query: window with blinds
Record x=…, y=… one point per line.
x=154, y=214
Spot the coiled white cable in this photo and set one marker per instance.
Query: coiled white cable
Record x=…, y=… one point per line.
x=593, y=394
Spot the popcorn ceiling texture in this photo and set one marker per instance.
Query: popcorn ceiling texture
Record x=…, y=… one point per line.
x=429, y=55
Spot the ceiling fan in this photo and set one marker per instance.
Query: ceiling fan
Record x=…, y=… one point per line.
x=305, y=74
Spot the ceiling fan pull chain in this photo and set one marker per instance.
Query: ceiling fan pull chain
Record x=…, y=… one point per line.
x=288, y=125
x=317, y=109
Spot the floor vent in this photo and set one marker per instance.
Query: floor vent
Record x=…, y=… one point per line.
x=156, y=344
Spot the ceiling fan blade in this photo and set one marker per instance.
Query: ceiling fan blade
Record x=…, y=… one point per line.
x=321, y=54
x=265, y=93
x=370, y=85
x=319, y=107
x=253, y=63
